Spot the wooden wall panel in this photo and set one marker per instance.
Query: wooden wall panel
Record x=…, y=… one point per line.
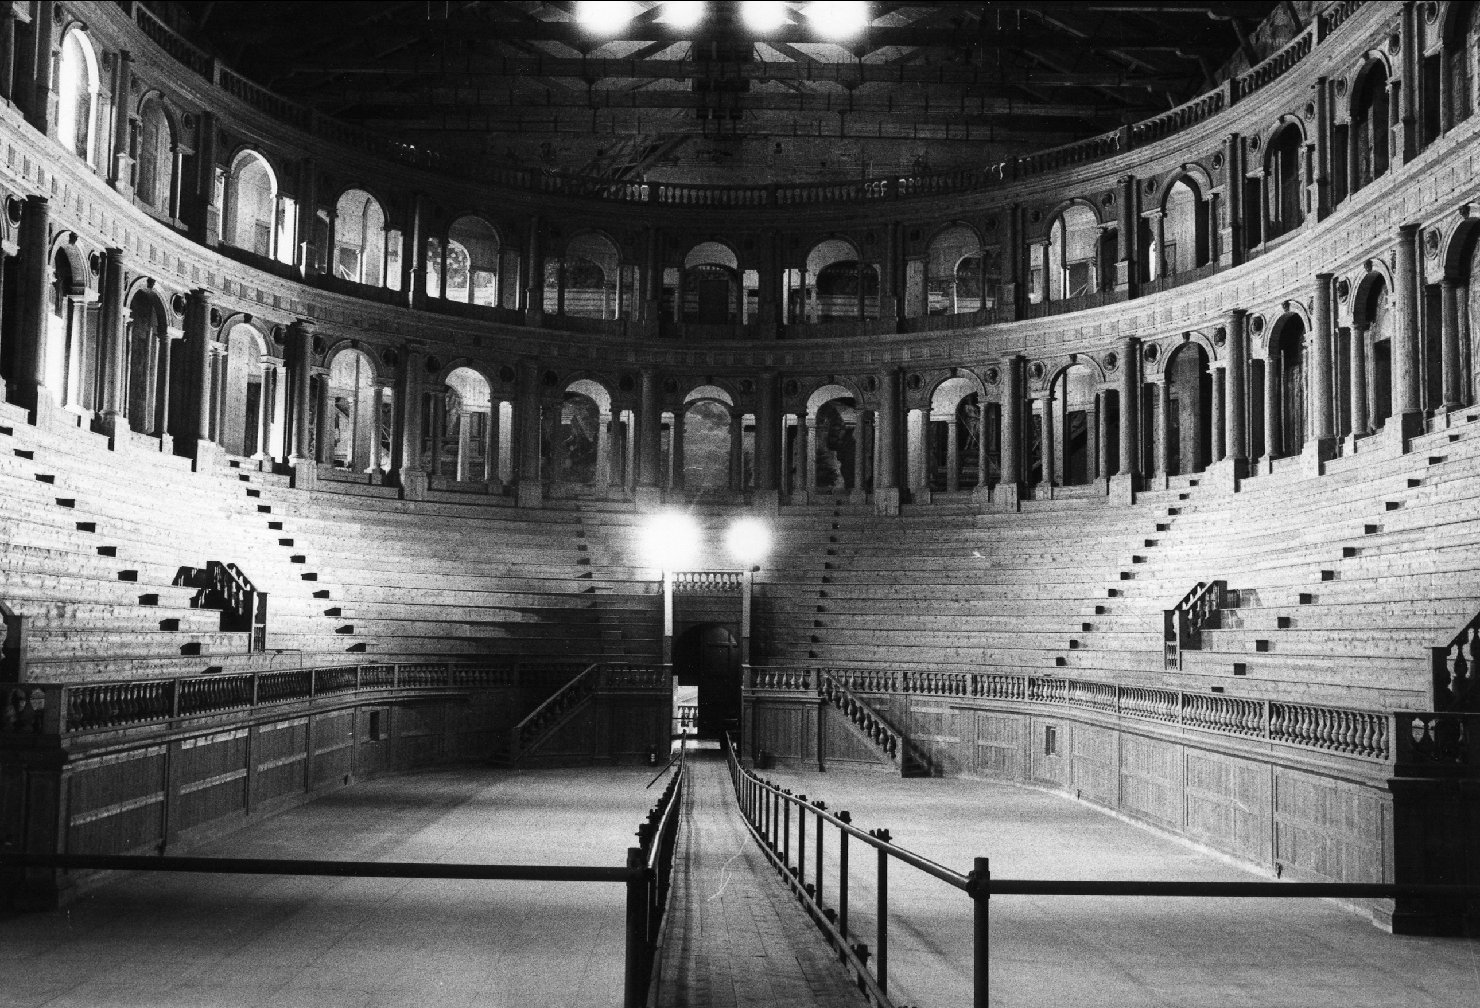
x=1150, y=779
x=208, y=778
x=333, y=748
x=280, y=751
x=1045, y=766
x=1227, y=803
x=841, y=743
x=117, y=802
x=786, y=729
x=999, y=745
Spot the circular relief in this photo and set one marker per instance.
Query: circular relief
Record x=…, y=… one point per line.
x=549, y=379
x=871, y=384
x=388, y=357
x=1218, y=160
x=216, y=317
x=991, y=224
x=1150, y=352
x=626, y=383
x=1431, y=11
x=993, y=376
x=94, y=263
x=506, y=375
x=1150, y=186
x=13, y=210
x=1394, y=43
x=1111, y=360
x=1220, y=336
x=1256, y=324
x=319, y=346
x=670, y=385
x=1254, y=143
x=279, y=335
x=791, y=387
x=177, y=304
x=747, y=385
x=915, y=382
x=1035, y=370
x=870, y=238
x=1431, y=241
x=1343, y=289
x=433, y=364
x=1035, y=216
x=1109, y=198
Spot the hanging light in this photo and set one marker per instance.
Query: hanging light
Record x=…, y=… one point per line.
x=748, y=540
x=604, y=17
x=683, y=13
x=837, y=18
x=763, y=15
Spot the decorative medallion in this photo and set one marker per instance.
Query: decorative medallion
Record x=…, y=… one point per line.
x=1431, y=242
x=1395, y=43
x=1150, y=186
x=1108, y=199
x=1256, y=323
x=1431, y=12
x=915, y=382
x=1343, y=289
x=216, y=317
x=279, y=335
x=1341, y=87
x=319, y=346
x=1150, y=352
x=747, y=385
x=14, y=208
x=1035, y=371
x=791, y=388
x=1111, y=360
x=1254, y=143
x=177, y=304
x=506, y=375
x=670, y=385
x=1035, y=216
x=993, y=376
x=433, y=364
x=1218, y=160
x=94, y=263
x=388, y=357
x=870, y=384
x=1310, y=111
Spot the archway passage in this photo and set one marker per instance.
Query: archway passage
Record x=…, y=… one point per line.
x=707, y=656
x=1189, y=410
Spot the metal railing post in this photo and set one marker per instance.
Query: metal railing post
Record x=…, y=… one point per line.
x=821, y=807
x=633, y=992
x=786, y=832
x=802, y=841
x=843, y=874
x=881, y=942
x=981, y=874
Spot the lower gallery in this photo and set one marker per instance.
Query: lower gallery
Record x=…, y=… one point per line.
x=433, y=577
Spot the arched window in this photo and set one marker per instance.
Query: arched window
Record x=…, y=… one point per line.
x=953, y=272
x=359, y=239
x=258, y=218
x=77, y=96
x=155, y=168
x=589, y=283
x=1282, y=173
x=472, y=262
x=1459, y=53
x=836, y=285
x=710, y=284
x=1369, y=133
x=1181, y=241
x=1070, y=258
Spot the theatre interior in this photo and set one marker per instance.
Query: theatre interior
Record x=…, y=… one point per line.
x=739, y=503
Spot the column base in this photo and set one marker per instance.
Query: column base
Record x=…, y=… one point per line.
x=305, y=475
x=857, y=496
x=206, y=456
x=921, y=495
x=886, y=501
x=46, y=415
x=412, y=482
x=769, y=501
x=114, y=426
x=529, y=495
x=1223, y=475
x=647, y=498
x=1400, y=429
x=1123, y=488
x=981, y=495
x=1007, y=497
x=1316, y=454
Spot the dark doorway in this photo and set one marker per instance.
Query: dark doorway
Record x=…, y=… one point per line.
x=708, y=656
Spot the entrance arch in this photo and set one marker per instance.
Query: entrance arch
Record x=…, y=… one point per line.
x=1285, y=400
x=707, y=656
x=1189, y=410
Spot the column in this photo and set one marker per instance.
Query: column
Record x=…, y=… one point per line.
x=1323, y=416
x=1130, y=406
x=1012, y=416
x=1405, y=348
x=408, y=472
x=1160, y=442
x=377, y=405
x=886, y=436
x=767, y=436
x=1047, y=440
x=324, y=441
x=859, y=455
x=603, y=446
x=1102, y=435
x=805, y=461
x=160, y=414
x=198, y=337
x=920, y=457
x=649, y=431
x=953, y=462
x=492, y=453
x=1235, y=398
x=113, y=346
x=122, y=104
x=1219, y=414
x=1453, y=372
x=464, y=446
x=527, y=429
x=737, y=451
x=29, y=380
x=675, y=450
x=1274, y=437
x=534, y=287
x=300, y=359
x=1358, y=380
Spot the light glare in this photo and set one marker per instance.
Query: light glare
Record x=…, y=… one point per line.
x=683, y=13
x=748, y=540
x=669, y=540
x=763, y=15
x=604, y=16
x=837, y=18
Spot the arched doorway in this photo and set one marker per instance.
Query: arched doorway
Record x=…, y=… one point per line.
x=1189, y=410
x=245, y=402
x=953, y=437
x=148, y=365
x=1285, y=403
x=349, y=423
x=710, y=285
x=707, y=656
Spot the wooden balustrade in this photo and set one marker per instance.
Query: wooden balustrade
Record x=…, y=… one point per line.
x=591, y=680
x=869, y=721
x=243, y=607
x=1182, y=625
x=708, y=582
x=1456, y=686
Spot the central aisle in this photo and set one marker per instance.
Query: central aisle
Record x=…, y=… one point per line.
x=736, y=935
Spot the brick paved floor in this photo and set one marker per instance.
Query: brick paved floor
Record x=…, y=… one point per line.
x=739, y=939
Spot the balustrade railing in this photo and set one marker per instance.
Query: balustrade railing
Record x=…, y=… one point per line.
x=57, y=709
x=1361, y=734
x=875, y=728
x=593, y=679
x=708, y=582
x=1456, y=684
x=1275, y=67
x=1182, y=625
x=243, y=607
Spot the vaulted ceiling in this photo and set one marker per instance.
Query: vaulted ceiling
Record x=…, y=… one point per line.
x=923, y=86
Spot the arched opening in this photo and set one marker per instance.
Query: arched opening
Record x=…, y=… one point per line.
x=954, y=272
x=834, y=285
x=1181, y=242
x=71, y=365
x=77, y=96
x=148, y=371
x=1372, y=317
x=460, y=443
x=1189, y=410
x=710, y=285
x=470, y=270
x=1067, y=264
x=577, y=446
x=1075, y=424
x=592, y=268
x=351, y=429
x=1460, y=44
x=1285, y=367
x=1369, y=130
x=706, y=657
x=245, y=402
x=707, y=446
x=154, y=171
x=1282, y=179
x=359, y=239
x=258, y=218
x=953, y=438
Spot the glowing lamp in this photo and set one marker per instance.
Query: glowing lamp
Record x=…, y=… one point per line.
x=669, y=540
x=604, y=17
x=683, y=13
x=748, y=540
x=763, y=15
x=837, y=18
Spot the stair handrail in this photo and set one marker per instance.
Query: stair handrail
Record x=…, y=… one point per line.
x=888, y=739
x=543, y=719
x=244, y=608
x=1182, y=625
x=14, y=633
x=1456, y=686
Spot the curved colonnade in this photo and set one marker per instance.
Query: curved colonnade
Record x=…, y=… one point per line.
x=1280, y=268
